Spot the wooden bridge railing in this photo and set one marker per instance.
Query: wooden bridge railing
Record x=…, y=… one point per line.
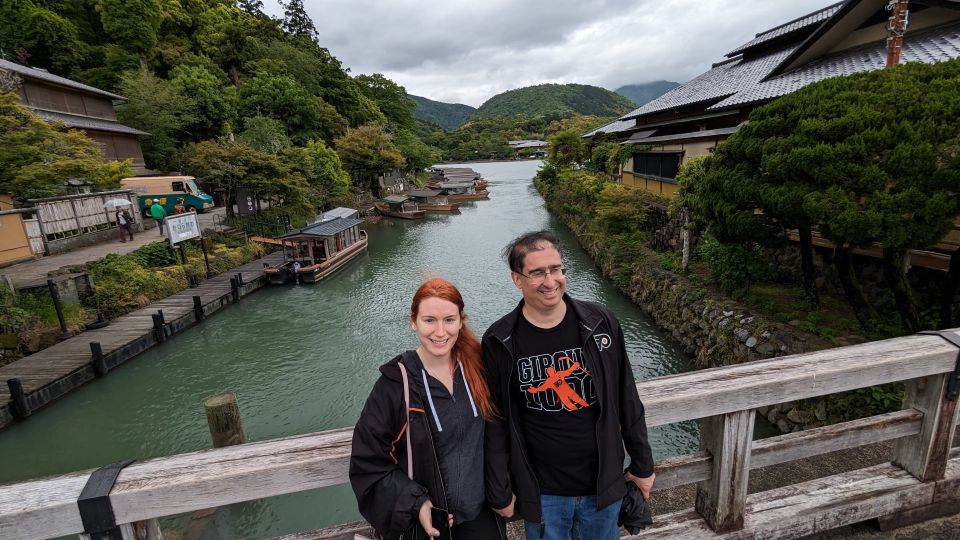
x=924, y=477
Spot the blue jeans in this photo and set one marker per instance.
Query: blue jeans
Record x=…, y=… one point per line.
x=575, y=518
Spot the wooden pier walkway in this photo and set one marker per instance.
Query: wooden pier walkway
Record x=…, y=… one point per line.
x=53, y=372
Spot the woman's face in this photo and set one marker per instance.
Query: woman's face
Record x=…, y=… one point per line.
x=437, y=324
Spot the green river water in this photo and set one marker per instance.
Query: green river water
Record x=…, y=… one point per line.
x=302, y=358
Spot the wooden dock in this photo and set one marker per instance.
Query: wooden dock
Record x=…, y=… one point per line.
x=53, y=372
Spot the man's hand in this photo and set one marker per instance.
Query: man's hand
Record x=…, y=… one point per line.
x=645, y=484
x=507, y=511
x=427, y=522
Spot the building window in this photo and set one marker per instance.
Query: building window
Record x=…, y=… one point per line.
x=660, y=164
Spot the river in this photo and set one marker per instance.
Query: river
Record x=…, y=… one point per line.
x=302, y=358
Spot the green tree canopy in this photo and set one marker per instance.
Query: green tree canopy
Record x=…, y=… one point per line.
x=368, y=151
x=281, y=97
x=36, y=158
x=566, y=149
x=320, y=166
x=390, y=97
x=215, y=103
x=159, y=108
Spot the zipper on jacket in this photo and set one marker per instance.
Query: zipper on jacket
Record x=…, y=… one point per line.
x=513, y=426
x=596, y=427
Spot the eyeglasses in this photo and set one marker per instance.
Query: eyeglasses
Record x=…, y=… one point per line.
x=541, y=274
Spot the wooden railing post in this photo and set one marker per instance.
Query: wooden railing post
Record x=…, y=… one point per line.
x=925, y=455
x=721, y=499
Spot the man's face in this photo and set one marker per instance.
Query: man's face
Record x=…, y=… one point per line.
x=545, y=292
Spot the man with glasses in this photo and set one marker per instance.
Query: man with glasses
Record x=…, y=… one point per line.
x=558, y=373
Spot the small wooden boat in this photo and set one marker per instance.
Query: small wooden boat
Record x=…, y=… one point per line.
x=431, y=202
x=462, y=191
x=399, y=206
x=318, y=251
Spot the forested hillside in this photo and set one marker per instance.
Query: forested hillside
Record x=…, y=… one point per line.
x=643, y=93
x=449, y=116
x=556, y=99
x=227, y=92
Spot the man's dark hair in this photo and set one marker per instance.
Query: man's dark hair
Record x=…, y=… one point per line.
x=516, y=251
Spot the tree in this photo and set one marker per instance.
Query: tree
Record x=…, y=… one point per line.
x=307, y=117
x=390, y=97
x=566, y=149
x=37, y=157
x=264, y=134
x=222, y=34
x=323, y=171
x=132, y=24
x=229, y=165
x=159, y=108
x=418, y=154
x=47, y=38
x=368, y=151
x=215, y=105
x=296, y=21
x=869, y=158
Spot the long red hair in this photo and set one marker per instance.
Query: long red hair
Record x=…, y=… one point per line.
x=467, y=347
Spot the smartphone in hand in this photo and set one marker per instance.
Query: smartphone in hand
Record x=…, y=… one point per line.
x=440, y=522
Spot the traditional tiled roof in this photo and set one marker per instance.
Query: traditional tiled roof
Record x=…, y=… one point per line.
x=327, y=228
x=724, y=80
x=928, y=46
x=613, y=127
x=807, y=21
x=45, y=76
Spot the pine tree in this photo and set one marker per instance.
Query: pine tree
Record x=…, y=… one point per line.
x=296, y=21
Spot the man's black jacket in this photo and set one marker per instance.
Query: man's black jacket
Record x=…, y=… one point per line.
x=620, y=423
x=386, y=497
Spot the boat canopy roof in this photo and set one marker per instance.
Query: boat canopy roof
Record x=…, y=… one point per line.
x=395, y=199
x=456, y=185
x=424, y=193
x=338, y=212
x=319, y=230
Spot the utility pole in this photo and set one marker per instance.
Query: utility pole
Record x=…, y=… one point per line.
x=899, y=15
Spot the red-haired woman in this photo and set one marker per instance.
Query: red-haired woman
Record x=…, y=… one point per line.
x=444, y=413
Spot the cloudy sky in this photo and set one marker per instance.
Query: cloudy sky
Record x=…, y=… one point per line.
x=460, y=51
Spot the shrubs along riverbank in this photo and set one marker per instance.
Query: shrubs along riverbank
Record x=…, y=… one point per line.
x=119, y=284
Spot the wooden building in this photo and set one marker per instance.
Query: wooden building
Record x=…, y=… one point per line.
x=80, y=106
x=840, y=39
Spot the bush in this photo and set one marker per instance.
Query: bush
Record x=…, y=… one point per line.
x=734, y=266
x=154, y=255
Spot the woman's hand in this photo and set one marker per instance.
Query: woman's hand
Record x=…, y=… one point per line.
x=427, y=522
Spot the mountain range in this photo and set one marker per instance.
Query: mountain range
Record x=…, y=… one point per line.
x=558, y=100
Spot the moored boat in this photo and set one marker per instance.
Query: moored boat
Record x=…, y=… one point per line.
x=399, y=206
x=431, y=201
x=318, y=250
x=462, y=191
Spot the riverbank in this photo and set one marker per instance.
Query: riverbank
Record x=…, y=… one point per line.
x=50, y=374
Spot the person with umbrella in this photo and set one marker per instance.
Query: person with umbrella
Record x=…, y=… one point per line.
x=158, y=214
x=124, y=223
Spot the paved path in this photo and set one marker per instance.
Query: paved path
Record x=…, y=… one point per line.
x=35, y=272
x=55, y=371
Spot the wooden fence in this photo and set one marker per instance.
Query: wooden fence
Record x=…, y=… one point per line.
x=74, y=215
x=923, y=480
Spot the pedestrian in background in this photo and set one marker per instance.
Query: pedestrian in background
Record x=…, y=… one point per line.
x=124, y=224
x=158, y=214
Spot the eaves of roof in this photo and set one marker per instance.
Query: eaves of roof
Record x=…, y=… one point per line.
x=690, y=136
x=87, y=122
x=327, y=228
x=41, y=75
x=806, y=21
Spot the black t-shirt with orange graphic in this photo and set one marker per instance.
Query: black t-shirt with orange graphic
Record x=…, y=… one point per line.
x=558, y=406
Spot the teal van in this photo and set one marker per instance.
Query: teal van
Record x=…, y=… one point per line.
x=168, y=189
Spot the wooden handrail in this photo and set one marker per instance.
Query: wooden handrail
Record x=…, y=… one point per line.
x=181, y=483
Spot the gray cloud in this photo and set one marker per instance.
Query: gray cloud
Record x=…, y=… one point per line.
x=466, y=52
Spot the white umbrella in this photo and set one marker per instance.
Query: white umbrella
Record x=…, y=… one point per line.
x=113, y=203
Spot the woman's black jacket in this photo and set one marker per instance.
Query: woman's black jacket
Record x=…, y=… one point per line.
x=387, y=498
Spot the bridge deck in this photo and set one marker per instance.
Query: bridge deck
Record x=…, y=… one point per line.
x=55, y=371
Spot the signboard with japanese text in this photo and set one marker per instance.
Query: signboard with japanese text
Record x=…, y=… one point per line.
x=246, y=205
x=182, y=227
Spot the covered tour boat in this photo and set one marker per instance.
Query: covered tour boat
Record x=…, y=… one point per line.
x=431, y=201
x=399, y=206
x=462, y=191
x=318, y=250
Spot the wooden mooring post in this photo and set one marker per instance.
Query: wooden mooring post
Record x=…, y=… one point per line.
x=223, y=420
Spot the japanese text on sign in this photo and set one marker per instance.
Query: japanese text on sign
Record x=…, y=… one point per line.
x=182, y=227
